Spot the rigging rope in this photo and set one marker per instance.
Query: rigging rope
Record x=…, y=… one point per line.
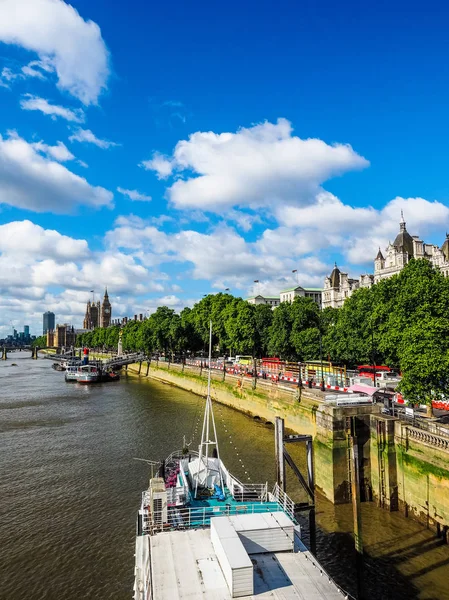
x=230, y=439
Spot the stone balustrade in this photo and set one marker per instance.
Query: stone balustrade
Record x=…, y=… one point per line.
x=427, y=438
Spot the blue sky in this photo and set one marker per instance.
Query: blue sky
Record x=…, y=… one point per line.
x=269, y=137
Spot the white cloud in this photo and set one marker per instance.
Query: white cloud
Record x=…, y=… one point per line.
x=6, y=77
x=60, y=152
x=134, y=195
x=30, y=102
x=24, y=238
x=159, y=163
x=223, y=256
x=63, y=40
x=52, y=261
x=161, y=219
x=171, y=300
x=264, y=165
x=423, y=217
x=327, y=213
x=31, y=181
x=30, y=72
x=87, y=136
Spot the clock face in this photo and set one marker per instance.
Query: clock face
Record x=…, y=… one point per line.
x=106, y=311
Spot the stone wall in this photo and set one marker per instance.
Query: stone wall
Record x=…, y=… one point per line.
x=423, y=475
x=401, y=467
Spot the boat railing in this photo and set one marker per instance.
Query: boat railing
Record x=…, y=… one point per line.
x=279, y=496
x=244, y=491
x=198, y=517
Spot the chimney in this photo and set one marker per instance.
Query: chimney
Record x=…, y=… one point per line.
x=135, y=317
x=140, y=317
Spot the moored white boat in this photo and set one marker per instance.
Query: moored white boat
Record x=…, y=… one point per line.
x=87, y=374
x=71, y=372
x=204, y=534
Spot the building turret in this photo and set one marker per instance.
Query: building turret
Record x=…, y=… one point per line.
x=445, y=248
x=379, y=261
x=404, y=241
x=335, y=277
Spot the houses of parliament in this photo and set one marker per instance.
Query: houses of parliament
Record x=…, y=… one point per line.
x=98, y=314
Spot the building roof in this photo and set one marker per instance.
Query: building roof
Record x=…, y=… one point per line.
x=263, y=297
x=445, y=247
x=404, y=241
x=293, y=289
x=313, y=289
x=335, y=277
x=379, y=256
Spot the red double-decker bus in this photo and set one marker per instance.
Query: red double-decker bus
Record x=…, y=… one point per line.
x=369, y=370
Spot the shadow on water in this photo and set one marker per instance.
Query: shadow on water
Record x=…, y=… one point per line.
x=396, y=565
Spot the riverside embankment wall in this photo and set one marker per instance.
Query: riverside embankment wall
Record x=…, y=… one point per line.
x=401, y=467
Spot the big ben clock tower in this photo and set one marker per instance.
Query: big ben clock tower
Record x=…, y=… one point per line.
x=106, y=311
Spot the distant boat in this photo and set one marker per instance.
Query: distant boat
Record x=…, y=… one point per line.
x=110, y=376
x=87, y=374
x=58, y=367
x=71, y=373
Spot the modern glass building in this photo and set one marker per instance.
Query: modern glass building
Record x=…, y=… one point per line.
x=48, y=322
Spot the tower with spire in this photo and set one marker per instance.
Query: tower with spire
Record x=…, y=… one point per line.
x=98, y=314
x=106, y=311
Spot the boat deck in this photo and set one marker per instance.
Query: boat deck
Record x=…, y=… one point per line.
x=184, y=565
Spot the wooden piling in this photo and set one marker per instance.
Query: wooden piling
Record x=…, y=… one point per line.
x=140, y=367
x=148, y=368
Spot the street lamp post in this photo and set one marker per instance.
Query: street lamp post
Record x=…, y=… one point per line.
x=258, y=286
x=373, y=356
x=321, y=361
x=297, y=276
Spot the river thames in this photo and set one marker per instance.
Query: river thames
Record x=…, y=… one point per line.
x=70, y=489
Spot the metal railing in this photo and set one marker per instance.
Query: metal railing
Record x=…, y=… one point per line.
x=284, y=501
x=198, y=517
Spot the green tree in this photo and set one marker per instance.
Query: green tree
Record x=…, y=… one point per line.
x=240, y=326
x=191, y=341
x=280, y=339
x=263, y=318
x=40, y=342
x=424, y=359
x=351, y=338
x=305, y=333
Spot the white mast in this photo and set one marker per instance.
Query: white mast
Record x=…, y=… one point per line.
x=206, y=440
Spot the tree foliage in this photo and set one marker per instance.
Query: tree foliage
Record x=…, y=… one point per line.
x=402, y=321
x=40, y=342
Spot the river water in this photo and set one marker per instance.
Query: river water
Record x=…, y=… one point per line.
x=70, y=489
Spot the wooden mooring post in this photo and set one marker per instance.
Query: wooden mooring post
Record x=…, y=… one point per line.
x=4, y=353
x=148, y=367
x=140, y=366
